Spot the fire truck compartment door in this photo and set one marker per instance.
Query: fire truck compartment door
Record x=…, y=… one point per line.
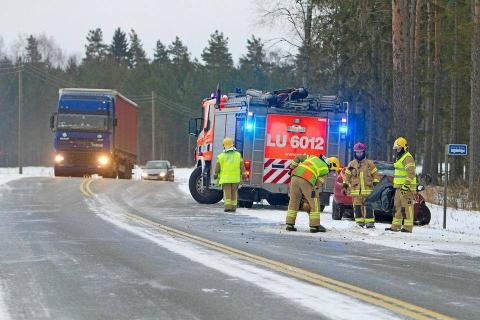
x=225, y=124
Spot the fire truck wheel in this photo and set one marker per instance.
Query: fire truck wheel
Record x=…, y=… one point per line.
x=199, y=192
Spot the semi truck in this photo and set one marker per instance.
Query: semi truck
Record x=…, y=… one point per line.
x=95, y=132
x=269, y=130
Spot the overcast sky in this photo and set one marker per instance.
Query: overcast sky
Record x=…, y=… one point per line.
x=68, y=21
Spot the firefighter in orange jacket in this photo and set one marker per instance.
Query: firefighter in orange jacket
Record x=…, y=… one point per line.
x=361, y=175
x=308, y=175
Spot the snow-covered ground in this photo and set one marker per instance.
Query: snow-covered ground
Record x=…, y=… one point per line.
x=462, y=235
x=9, y=174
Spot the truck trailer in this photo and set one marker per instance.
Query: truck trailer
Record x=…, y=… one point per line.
x=95, y=132
x=269, y=130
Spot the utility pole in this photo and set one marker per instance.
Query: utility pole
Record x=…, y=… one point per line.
x=19, y=131
x=153, y=125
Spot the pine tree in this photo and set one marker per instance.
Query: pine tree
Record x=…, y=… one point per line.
x=216, y=55
x=32, y=55
x=136, y=52
x=118, y=49
x=95, y=49
x=160, y=54
x=253, y=65
x=178, y=52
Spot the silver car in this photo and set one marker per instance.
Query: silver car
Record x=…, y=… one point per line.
x=158, y=170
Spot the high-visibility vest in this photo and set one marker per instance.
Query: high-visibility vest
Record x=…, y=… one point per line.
x=311, y=169
x=230, y=162
x=401, y=176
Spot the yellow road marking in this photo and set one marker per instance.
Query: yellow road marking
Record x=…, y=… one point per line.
x=396, y=305
x=85, y=187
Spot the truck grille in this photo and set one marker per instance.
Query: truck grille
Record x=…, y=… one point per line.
x=80, y=157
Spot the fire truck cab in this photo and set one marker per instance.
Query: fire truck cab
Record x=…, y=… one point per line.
x=269, y=130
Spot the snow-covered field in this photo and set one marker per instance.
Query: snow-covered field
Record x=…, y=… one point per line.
x=462, y=235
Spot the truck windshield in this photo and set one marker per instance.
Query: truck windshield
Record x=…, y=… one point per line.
x=156, y=165
x=87, y=122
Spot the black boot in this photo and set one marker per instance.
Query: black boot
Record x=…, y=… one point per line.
x=290, y=227
x=390, y=229
x=320, y=228
x=405, y=230
x=370, y=225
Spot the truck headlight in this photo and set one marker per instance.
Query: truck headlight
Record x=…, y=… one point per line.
x=103, y=160
x=59, y=158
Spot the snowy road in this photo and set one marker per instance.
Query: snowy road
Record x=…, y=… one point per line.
x=69, y=255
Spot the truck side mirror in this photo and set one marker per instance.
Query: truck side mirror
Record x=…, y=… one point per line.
x=195, y=126
x=52, y=121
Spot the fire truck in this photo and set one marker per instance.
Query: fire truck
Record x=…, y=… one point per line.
x=269, y=130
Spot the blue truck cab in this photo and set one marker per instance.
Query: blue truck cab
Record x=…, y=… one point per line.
x=95, y=132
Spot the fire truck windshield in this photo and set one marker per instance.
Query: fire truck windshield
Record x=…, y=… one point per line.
x=82, y=122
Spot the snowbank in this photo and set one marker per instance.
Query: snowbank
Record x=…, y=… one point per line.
x=462, y=235
x=9, y=174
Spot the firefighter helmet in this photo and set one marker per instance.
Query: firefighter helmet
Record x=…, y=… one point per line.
x=227, y=143
x=334, y=164
x=401, y=142
x=359, y=147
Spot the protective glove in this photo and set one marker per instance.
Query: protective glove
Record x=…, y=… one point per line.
x=404, y=189
x=215, y=176
x=345, y=185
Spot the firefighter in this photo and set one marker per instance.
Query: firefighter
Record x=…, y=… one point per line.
x=405, y=184
x=229, y=170
x=308, y=175
x=361, y=175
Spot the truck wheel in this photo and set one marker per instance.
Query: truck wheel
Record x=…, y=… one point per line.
x=337, y=211
x=245, y=204
x=424, y=215
x=199, y=192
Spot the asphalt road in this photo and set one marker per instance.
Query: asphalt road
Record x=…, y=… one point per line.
x=68, y=255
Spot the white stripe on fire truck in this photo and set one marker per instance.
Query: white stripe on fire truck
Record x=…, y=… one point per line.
x=276, y=175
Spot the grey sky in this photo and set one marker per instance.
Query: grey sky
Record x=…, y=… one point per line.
x=68, y=21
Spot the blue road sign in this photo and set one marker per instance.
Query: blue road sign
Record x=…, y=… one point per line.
x=457, y=149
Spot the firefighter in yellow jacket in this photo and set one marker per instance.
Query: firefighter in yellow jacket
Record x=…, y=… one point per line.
x=405, y=184
x=308, y=176
x=229, y=171
x=361, y=175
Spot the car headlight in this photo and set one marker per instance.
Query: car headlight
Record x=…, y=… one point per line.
x=144, y=174
x=103, y=160
x=59, y=158
x=163, y=174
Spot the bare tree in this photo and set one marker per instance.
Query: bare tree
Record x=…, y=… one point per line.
x=427, y=162
x=302, y=17
x=436, y=95
x=473, y=182
x=398, y=52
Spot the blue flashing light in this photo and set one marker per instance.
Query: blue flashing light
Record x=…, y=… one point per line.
x=249, y=126
x=343, y=129
x=344, y=120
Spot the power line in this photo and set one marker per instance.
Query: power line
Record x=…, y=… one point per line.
x=48, y=74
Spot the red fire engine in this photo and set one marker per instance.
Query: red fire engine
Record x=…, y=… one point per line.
x=268, y=129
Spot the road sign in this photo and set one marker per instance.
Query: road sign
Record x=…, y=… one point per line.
x=457, y=150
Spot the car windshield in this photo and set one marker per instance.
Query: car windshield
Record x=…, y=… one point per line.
x=80, y=122
x=386, y=169
x=156, y=165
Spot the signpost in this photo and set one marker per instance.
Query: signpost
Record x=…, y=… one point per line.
x=450, y=150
